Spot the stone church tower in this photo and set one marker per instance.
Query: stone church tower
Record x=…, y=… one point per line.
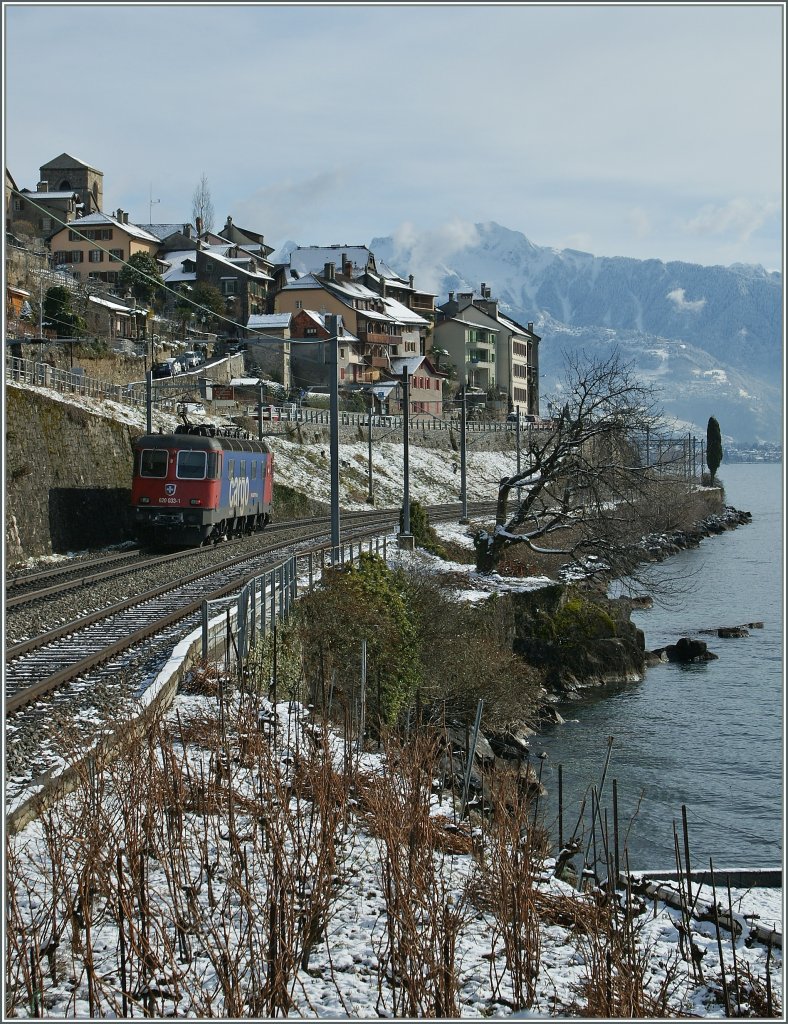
x=67, y=174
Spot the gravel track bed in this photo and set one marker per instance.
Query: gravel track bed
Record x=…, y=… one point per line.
x=44, y=737
x=48, y=735
x=29, y=620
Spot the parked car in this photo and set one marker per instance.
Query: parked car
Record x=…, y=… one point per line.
x=191, y=359
x=164, y=368
x=525, y=419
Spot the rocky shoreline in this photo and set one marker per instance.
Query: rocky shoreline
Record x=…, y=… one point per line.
x=583, y=640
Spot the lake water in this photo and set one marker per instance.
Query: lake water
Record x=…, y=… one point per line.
x=708, y=736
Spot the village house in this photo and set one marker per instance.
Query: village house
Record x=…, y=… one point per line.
x=383, y=326
x=493, y=353
x=310, y=358
x=93, y=247
x=268, y=345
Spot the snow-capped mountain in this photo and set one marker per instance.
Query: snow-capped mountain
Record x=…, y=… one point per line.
x=709, y=337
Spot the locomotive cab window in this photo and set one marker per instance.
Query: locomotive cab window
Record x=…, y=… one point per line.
x=191, y=465
x=153, y=463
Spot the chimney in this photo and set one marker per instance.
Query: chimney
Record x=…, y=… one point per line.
x=410, y=279
x=198, y=225
x=329, y=271
x=42, y=186
x=347, y=266
x=451, y=296
x=125, y=217
x=187, y=230
x=531, y=327
x=119, y=215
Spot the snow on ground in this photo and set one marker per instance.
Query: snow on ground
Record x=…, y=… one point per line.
x=347, y=975
x=344, y=979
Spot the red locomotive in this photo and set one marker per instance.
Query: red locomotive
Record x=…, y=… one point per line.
x=200, y=485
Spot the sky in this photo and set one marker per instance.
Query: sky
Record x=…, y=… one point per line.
x=641, y=130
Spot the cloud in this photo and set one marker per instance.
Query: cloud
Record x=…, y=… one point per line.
x=682, y=305
x=427, y=252
x=639, y=221
x=287, y=207
x=739, y=217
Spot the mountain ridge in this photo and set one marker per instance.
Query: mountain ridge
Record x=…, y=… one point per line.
x=718, y=329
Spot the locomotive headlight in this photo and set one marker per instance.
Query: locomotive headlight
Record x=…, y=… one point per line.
x=144, y=501
x=195, y=501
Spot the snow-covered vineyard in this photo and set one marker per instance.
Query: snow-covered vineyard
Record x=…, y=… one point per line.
x=257, y=864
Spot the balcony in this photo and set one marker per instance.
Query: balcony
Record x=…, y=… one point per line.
x=379, y=338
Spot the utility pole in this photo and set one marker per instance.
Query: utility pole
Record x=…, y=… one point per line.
x=332, y=325
x=370, y=495
x=519, y=461
x=260, y=414
x=463, y=473
x=149, y=401
x=405, y=537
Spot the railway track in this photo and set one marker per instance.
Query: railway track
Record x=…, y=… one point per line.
x=82, y=574
x=41, y=664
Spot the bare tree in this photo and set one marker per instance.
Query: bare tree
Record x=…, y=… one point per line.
x=582, y=491
x=202, y=205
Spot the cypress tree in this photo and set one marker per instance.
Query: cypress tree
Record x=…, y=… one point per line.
x=713, y=447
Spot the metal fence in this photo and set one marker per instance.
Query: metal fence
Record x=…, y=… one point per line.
x=674, y=456
x=76, y=382
x=268, y=598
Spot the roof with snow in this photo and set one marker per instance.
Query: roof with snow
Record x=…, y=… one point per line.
x=235, y=264
x=177, y=271
x=118, y=307
x=162, y=231
x=270, y=320
x=66, y=160
x=310, y=281
x=31, y=193
x=402, y=312
x=102, y=219
x=320, y=318
x=414, y=363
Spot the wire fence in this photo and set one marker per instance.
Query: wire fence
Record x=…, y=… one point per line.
x=682, y=456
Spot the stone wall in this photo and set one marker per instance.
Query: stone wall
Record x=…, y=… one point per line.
x=67, y=477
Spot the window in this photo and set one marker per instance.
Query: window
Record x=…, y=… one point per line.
x=154, y=463
x=229, y=286
x=231, y=468
x=310, y=332
x=242, y=469
x=299, y=304
x=191, y=465
x=95, y=256
x=17, y=205
x=254, y=471
x=115, y=255
x=46, y=223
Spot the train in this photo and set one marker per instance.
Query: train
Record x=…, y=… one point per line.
x=200, y=485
